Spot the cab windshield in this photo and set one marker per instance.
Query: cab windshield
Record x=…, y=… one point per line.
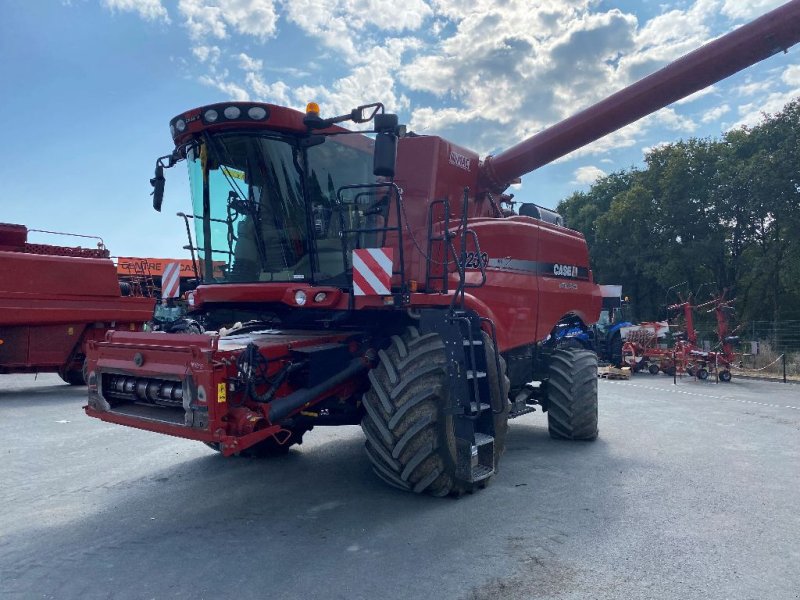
x=266, y=208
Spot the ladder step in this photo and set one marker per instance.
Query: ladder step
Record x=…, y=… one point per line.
x=481, y=472
x=476, y=374
x=482, y=438
x=518, y=413
x=474, y=343
x=483, y=407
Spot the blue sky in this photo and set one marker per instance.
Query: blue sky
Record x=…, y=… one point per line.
x=89, y=87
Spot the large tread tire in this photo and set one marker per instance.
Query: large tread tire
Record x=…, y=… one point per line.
x=572, y=395
x=74, y=376
x=410, y=439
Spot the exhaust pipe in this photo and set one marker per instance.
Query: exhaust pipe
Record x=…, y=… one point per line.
x=281, y=407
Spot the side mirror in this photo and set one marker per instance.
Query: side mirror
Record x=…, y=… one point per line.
x=385, y=155
x=158, y=187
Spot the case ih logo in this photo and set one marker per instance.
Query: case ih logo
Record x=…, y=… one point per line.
x=459, y=160
x=565, y=270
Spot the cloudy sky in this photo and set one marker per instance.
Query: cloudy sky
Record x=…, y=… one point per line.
x=89, y=86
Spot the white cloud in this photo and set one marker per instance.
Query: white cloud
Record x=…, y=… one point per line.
x=275, y=93
x=213, y=18
x=587, y=175
x=674, y=121
x=752, y=88
x=150, y=10
x=208, y=54
x=696, y=96
x=753, y=113
x=749, y=9
x=248, y=63
x=230, y=89
x=791, y=76
x=716, y=113
x=648, y=149
x=340, y=24
x=484, y=73
x=373, y=81
x=667, y=37
x=509, y=69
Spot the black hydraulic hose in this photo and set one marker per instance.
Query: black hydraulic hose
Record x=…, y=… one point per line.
x=281, y=407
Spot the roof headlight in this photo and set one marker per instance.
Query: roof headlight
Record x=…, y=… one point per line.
x=211, y=115
x=232, y=112
x=320, y=296
x=257, y=113
x=300, y=297
x=180, y=125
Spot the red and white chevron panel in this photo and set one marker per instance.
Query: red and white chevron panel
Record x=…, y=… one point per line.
x=171, y=280
x=372, y=271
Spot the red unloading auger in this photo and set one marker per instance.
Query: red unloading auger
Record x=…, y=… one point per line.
x=770, y=34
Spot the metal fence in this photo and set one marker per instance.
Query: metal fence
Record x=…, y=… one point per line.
x=767, y=347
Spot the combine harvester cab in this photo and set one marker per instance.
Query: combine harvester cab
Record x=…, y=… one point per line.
x=383, y=281
x=54, y=300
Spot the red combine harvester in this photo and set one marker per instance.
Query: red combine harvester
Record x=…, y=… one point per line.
x=54, y=300
x=383, y=283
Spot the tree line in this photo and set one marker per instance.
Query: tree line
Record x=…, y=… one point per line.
x=713, y=213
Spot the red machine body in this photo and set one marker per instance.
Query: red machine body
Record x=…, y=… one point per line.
x=54, y=300
x=464, y=295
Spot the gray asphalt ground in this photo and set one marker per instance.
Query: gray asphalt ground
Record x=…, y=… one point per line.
x=691, y=491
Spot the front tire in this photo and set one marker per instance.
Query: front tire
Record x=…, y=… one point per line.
x=410, y=437
x=75, y=376
x=572, y=395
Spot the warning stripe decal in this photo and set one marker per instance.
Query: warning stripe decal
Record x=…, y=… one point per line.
x=372, y=271
x=171, y=280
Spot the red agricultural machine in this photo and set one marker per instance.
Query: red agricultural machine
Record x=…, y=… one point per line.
x=702, y=363
x=642, y=351
x=381, y=282
x=54, y=300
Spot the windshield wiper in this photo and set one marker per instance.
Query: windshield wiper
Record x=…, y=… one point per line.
x=237, y=207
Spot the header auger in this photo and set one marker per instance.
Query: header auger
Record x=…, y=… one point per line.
x=379, y=280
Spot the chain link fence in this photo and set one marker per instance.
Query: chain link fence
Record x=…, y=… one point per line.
x=765, y=347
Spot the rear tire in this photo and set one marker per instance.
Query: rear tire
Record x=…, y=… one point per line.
x=702, y=374
x=725, y=375
x=572, y=395
x=410, y=438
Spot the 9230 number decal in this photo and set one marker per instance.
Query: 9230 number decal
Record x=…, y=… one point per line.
x=476, y=260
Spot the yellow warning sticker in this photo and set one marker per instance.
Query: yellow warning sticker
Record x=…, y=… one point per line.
x=222, y=392
x=235, y=173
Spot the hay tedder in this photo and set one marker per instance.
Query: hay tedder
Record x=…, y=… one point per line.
x=381, y=281
x=642, y=351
